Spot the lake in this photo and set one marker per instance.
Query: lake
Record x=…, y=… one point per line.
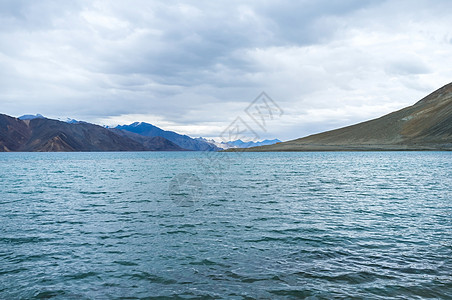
x=364, y=225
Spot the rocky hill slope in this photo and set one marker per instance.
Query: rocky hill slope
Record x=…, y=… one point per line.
x=46, y=135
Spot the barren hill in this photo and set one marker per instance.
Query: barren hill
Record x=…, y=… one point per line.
x=426, y=125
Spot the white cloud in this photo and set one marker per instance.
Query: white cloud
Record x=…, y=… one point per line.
x=195, y=65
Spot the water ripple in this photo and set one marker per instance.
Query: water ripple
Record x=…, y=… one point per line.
x=273, y=225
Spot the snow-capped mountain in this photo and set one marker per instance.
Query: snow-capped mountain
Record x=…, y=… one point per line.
x=74, y=121
x=239, y=143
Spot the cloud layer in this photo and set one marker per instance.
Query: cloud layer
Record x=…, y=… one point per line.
x=194, y=66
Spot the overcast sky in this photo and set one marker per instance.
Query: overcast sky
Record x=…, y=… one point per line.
x=194, y=66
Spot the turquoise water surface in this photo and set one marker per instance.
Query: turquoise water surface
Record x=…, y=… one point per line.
x=225, y=225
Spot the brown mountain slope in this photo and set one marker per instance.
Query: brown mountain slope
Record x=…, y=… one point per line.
x=13, y=133
x=426, y=125
x=46, y=135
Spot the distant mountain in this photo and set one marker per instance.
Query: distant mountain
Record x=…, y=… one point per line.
x=426, y=125
x=155, y=143
x=239, y=143
x=39, y=116
x=31, y=117
x=46, y=135
x=183, y=141
x=74, y=121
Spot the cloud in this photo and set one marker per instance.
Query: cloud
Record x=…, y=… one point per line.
x=195, y=65
x=405, y=66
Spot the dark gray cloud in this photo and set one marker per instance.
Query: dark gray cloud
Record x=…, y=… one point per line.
x=195, y=65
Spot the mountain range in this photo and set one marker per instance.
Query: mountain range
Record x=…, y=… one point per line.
x=38, y=133
x=426, y=125
x=46, y=135
x=239, y=143
x=183, y=141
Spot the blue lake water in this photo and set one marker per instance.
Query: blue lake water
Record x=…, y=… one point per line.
x=226, y=225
